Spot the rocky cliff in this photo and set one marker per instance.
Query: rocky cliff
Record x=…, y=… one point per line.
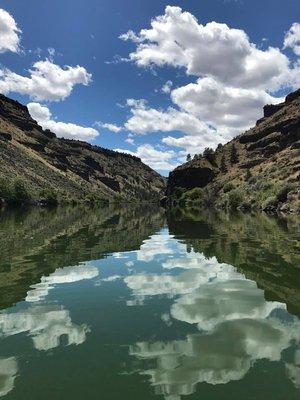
x=75, y=169
x=260, y=168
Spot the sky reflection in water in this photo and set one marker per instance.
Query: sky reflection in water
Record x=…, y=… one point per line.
x=216, y=325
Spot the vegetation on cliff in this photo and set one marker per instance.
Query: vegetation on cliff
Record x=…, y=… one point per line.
x=258, y=169
x=35, y=165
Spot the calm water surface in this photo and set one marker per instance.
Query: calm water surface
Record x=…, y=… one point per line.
x=137, y=304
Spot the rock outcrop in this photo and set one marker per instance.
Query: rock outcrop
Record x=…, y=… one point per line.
x=73, y=168
x=258, y=164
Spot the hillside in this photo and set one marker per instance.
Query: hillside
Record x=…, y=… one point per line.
x=258, y=169
x=74, y=170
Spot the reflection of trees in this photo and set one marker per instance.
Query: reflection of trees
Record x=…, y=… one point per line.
x=39, y=241
x=265, y=249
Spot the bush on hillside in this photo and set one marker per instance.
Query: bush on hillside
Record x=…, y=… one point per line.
x=270, y=204
x=21, y=192
x=228, y=187
x=16, y=191
x=49, y=196
x=235, y=198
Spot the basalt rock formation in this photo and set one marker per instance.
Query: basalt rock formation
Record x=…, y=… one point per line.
x=73, y=168
x=260, y=168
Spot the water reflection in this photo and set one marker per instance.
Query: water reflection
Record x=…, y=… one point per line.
x=45, y=324
x=211, y=299
x=237, y=325
x=78, y=273
x=8, y=372
x=217, y=357
x=37, y=247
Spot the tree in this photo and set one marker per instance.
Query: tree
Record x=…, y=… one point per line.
x=209, y=154
x=188, y=157
x=223, y=163
x=233, y=155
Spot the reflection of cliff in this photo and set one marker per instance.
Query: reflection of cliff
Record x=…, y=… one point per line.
x=37, y=242
x=265, y=249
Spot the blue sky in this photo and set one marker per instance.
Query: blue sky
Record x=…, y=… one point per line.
x=219, y=74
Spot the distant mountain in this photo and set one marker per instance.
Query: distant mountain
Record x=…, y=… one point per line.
x=258, y=169
x=75, y=170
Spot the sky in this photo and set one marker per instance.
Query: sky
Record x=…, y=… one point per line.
x=158, y=79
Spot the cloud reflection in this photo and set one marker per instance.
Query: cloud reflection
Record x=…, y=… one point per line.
x=46, y=325
x=8, y=372
x=60, y=275
x=237, y=325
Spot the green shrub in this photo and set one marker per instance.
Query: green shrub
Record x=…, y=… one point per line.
x=270, y=203
x=178, y=192
x=49, y=196
x=228, y=187
x=235, y=198
x=21, y=192
x=193, y=194
x=283, y=192
x=234, y=158
x=6, y=191
x=248, y=175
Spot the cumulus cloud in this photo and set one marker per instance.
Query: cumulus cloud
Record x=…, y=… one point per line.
x=43, y=115
x=177, y=39
x=46, y=82
x=156, y=159
x=111, y=127
x=9, y=33
x=235, y=79
x=197, y=134
x=222, y=106
x=292, y=38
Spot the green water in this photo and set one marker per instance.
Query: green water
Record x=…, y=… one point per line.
x=137, y=304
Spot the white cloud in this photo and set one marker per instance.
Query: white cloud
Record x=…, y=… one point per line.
x=156, y=159
x=224, y=107
x=43, y=115
x=129, y=140
x=145, y=119
x=235, y=79
x=292, y=38
x=130, y=35
x=9, y=33
x=167, y=87
x=47, y=81
x=111, y=127
x=177, y=39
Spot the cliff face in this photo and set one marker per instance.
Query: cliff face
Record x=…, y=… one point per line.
x=74, y=168
x=259, y=168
